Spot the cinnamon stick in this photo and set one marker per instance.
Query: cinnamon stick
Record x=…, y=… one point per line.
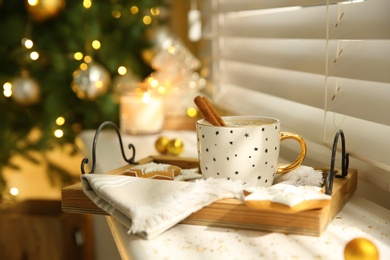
x=208, y=111
x=214, y=111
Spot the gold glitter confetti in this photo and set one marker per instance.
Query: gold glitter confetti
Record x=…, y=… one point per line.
x=200, y=249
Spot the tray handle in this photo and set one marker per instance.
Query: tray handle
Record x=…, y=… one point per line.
x=344, y=163
x=95, y=139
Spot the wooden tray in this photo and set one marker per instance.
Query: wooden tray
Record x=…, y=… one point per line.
x=233, y=213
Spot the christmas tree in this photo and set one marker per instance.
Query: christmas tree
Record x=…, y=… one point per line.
x=58, y=61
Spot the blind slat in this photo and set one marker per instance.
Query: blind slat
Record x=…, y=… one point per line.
x=347, y=22
x=269, y=81
x=364, y=60
x=305, y=56
x=275, y=25
x=224, y=6
x=361, y=99
x=348, y=59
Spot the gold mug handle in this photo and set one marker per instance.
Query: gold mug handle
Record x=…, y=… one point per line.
x=301, y=156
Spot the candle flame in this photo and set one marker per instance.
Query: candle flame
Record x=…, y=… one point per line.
x=14, y=191
x=146, y=98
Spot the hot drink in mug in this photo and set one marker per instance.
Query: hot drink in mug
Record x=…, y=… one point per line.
x=247, y=149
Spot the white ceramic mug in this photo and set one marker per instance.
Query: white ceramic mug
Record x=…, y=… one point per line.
x=247, y=148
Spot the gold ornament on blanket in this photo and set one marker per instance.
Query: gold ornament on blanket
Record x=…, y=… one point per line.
x=174, y=146
x=161, y=144
x=361, y=249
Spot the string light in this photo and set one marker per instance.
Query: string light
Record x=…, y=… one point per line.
x=161, y=90
x=27, y=43
x=116, y=14
x=78, y=56
x=7, y=89
x=96, y=44
x=134, y=10
x=192, y=84
x=171, y=49
x=155, y=11
x=87, y=59
x=34, y=55
x=153, y=82
x=147, y=19
x=60, y=121
x=33, y=2
x=122, y=70
x=14, y=191
x=87, y=4
x=83, y=66
x=58, y=133
x=149, y=80
x=192, y=112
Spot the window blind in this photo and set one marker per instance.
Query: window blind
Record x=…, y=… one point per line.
x=318, y=66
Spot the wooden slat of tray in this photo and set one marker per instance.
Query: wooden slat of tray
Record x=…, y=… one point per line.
x=233, y=213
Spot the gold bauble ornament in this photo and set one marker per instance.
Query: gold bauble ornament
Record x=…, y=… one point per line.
x=43, y=10
x=25, y=90
x=361, y=249
x=162, y=144
x=91, y=82
x=175, y=146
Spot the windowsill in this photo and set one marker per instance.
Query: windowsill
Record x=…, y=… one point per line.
x=359, y=218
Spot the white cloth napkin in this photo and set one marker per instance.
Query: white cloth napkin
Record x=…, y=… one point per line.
x=149, y=207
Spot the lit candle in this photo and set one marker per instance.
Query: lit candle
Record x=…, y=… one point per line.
x=141, y=113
